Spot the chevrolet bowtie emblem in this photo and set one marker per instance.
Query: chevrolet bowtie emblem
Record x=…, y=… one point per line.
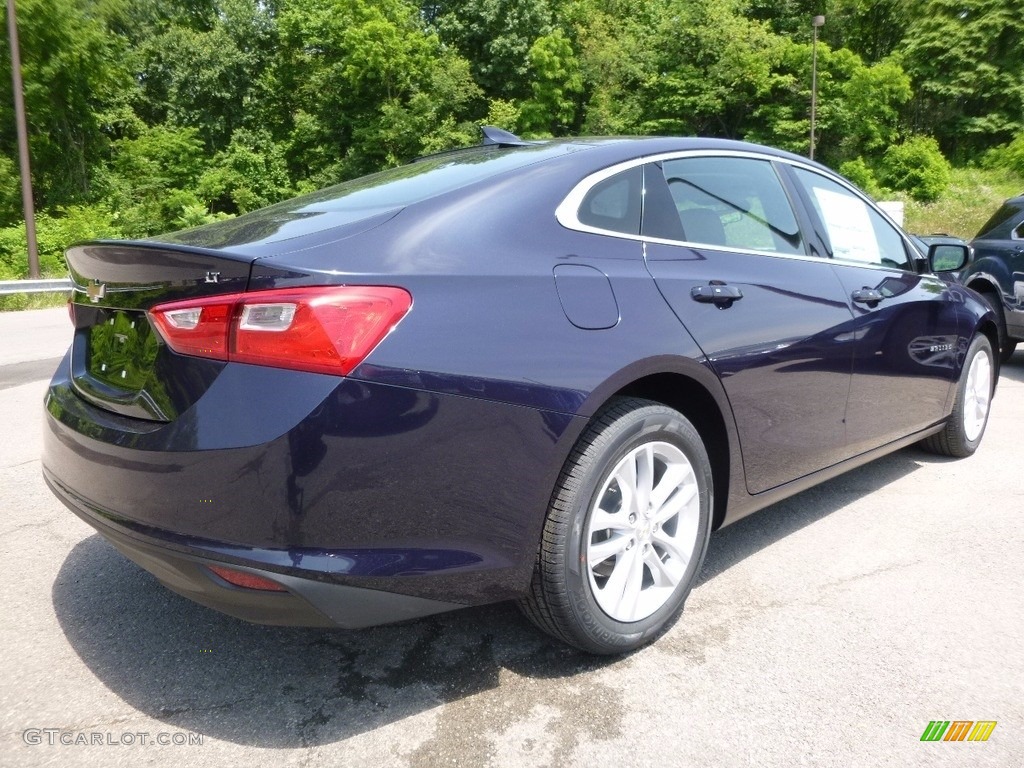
x=95, y=291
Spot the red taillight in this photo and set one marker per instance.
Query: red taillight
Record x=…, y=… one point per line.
x=245, y=579
x=322, y=329
x=199, y=327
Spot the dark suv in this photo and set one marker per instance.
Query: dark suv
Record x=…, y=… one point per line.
x=997, y=271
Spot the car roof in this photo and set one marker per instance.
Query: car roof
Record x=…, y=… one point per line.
x=638, y=146
x=353, y=206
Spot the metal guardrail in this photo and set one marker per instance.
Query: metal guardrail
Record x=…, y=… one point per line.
x=11, y=287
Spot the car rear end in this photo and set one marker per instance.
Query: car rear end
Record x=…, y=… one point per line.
x=221, y=420
x=186, y=413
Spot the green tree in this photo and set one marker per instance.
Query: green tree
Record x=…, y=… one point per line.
x=75, y=76
x=617, y=60
x=10, y=190
x=873, y=29
x=1009, y=156
x=207, y=73
x=918, y=167
x=858, y=105
x=495, y=36
x=712, y=68
x=249, y=174
x=861, y=174
x=152, y=178
x=427, y=121
x=55, y=231
x=556, y=81
x=363, y=84
x=966, y=58
x=874, y=96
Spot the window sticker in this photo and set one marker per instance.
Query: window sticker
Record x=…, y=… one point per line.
x=849, y=227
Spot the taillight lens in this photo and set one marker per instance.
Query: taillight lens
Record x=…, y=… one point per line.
x=199, y=328
x=321, y=329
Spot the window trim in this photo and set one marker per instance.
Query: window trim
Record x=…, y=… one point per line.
x=567, y=211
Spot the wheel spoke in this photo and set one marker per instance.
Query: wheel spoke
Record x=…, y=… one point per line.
x=675, y=503
x=980, y=406
x=665, y=574
x=686, y=528
x=616, y=584
x=672, y=548
x=600, y=520
x=630, y=600
x=673, y=478
x=644, y=477
x=598, y=553
x=625, y=478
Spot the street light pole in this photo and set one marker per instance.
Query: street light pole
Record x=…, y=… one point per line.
x=19, y=119
x=816, y=22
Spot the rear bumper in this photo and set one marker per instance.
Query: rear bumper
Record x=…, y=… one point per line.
x=183, y=567
x=359, y=491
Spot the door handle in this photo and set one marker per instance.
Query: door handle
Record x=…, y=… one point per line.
x=869, y=296
x=717, y=293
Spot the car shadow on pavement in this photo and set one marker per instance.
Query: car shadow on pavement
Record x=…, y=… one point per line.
x=753, y=533
x=1013, y=369
x=195, y=669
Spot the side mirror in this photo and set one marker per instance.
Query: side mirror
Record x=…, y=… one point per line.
x=944, y=257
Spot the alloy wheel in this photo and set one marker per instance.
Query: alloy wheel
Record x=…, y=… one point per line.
x=642, y=531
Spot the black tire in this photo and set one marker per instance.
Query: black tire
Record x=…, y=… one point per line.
x=562, y=600
x=1006, y=344
x=956, y=439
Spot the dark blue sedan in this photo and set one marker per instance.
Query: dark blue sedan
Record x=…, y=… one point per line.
x=541, y=372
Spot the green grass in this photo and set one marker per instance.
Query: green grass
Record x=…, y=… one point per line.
x=21, y=301
x=972, y=197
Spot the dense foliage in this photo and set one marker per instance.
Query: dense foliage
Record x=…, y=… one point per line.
x=147, y=116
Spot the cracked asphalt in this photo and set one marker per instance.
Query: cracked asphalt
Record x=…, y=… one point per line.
x=827, y=630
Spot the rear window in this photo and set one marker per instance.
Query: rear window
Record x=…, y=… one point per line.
x=408, y=184
x=999, y=226
x=368, y=196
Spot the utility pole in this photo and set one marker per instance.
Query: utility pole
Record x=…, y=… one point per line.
x=816, y=22
x=19, y=118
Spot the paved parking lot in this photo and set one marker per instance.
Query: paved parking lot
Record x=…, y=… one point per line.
x=827, y=630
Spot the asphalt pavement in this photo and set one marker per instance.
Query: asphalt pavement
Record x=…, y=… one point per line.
x=827, y=630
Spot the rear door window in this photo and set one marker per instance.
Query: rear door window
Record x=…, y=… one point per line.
x=731, y=202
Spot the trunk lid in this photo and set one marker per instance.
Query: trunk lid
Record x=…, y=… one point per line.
x=117, y=359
